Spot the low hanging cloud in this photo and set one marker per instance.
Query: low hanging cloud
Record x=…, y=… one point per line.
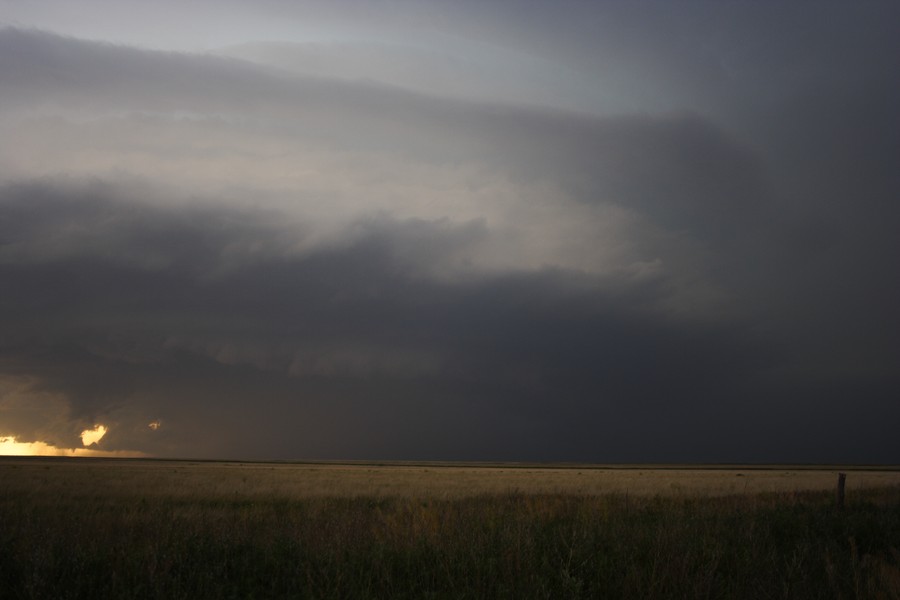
x=115, y=334
x=262, y=264
x=554, y=189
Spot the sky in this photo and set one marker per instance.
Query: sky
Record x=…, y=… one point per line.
x=424, y=230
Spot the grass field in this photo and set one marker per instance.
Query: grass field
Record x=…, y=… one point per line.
x=94, y=528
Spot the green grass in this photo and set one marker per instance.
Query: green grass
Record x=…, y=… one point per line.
x=90, y=544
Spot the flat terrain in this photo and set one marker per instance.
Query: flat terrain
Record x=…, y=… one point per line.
x=114, y=528
x=442, y=480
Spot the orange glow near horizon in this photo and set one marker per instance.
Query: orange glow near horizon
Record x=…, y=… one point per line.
x=92, y=436
x=10, y=446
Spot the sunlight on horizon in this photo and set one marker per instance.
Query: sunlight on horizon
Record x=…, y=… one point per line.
x=10, y=446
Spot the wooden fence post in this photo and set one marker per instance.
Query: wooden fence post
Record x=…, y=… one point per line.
x=842, y=479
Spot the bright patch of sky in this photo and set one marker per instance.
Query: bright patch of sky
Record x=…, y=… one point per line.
x=90, y=437
x=192, y=27
x=11, y=446
x=434, y=58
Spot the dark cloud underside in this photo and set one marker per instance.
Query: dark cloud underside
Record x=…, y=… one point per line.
x=277, y=263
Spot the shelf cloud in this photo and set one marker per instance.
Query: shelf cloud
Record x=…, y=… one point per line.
x=293, y=248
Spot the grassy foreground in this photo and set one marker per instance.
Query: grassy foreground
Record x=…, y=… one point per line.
x=86, y=542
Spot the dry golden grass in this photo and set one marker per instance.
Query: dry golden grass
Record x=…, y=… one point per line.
x=86, y=528
x=304, y=480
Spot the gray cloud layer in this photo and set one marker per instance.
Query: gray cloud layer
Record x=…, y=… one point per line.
x=277, y=265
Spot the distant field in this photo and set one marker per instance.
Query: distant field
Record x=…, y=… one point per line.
x=299, y=480
x=97, y=528
x=442, y=480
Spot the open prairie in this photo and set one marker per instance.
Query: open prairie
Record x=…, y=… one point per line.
x=215, y=479
x=89, y=528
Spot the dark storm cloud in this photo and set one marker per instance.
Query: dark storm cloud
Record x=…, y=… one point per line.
x=351, y=335
x=45, y=70
x=677, y=173
x=720, y=58
x=399, y=275
x=40, y=69
x=348, y=351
